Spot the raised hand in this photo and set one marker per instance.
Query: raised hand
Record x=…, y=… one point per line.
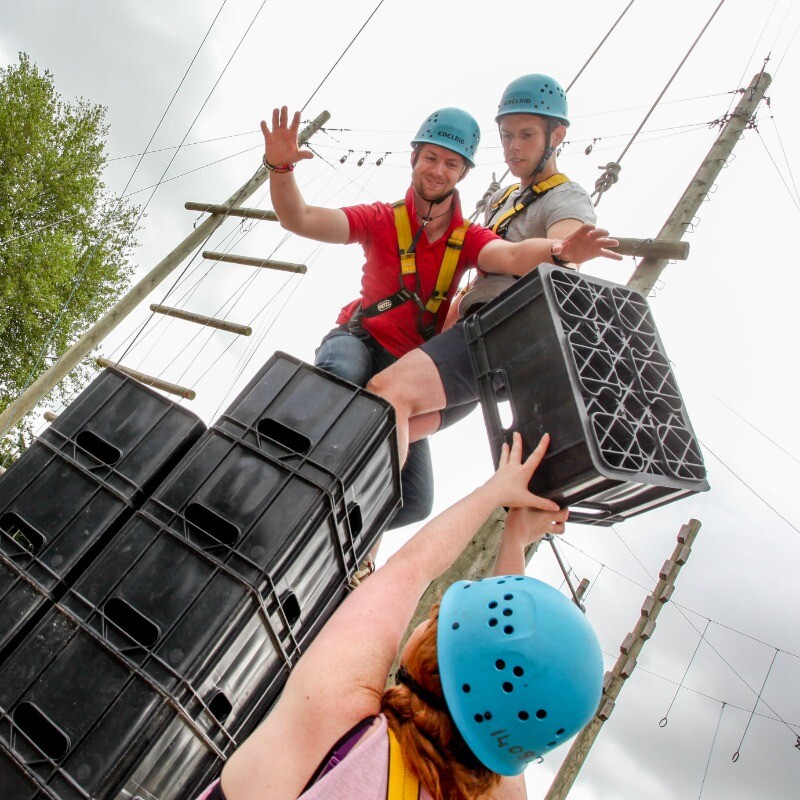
x=280, y=143
x=510, y=482
x=586, y=243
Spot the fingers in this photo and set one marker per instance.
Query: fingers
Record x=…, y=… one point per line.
x=610, y=254
x=535, y=458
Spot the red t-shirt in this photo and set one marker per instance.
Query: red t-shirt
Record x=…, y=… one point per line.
x=373, y=227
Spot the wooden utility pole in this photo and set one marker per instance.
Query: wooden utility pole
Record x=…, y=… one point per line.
x=649, y=268
x=626, y=663
x=13, y=413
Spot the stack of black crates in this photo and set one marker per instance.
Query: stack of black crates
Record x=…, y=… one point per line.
x=580, y=358
x=154, y=636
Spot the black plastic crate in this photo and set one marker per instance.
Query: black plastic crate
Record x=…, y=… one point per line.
x=304, y=415
x=580, y=358
x=126, y=434
x=54, y=515
x=76, y=717
x=265, y=518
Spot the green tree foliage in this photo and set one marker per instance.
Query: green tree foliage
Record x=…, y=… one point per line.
x=65, y=239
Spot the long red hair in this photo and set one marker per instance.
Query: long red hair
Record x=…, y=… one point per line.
x=432, y=746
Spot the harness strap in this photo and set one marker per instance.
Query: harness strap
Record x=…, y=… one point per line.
x=406, y=246
x=529, y=196
x=448, y=268
x=408, y=261
x=403, y=784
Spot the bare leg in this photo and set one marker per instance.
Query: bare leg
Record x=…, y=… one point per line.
x=413, y=386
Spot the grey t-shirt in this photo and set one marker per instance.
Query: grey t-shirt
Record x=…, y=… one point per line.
x=565, y=201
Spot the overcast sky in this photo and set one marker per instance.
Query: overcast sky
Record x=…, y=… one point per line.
x=727, y=316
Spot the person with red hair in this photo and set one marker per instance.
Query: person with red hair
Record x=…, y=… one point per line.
x=504, y=670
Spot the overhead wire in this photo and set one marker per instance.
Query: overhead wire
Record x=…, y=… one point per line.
x=602, y=42
x=611, y=170
x=341, y=56
x=681, y=611
x=711, y=751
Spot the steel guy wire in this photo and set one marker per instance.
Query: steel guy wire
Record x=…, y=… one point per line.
x=735, y=756
x=711, y=751
x=665, y=719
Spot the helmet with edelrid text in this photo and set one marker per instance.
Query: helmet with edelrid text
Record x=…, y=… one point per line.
x=534, y=94
x=453, y=129
x=521, y=668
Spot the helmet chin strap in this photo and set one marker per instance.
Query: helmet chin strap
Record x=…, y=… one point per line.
x=548, y=151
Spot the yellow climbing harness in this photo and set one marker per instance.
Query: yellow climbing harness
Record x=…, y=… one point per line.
x=408, y=261
x=403, y=784
x=533, y=193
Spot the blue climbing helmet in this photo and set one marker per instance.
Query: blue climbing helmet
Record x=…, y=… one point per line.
x=453, y=129
x=534, y=94
x=520, y=666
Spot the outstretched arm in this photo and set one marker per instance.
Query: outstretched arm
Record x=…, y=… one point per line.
x=341, y=677
x=519, y=258
x=524, y=526
x=282, y=150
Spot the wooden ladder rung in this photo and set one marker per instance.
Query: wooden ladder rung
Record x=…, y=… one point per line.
x=201, y=319
x=671, y=249
x=50, y=416
x=248, y=261
x=247, y=213
x=149, y=380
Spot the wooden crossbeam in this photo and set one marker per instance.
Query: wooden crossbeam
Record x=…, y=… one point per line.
x=149, y=380
x=202, y=319
x=248, y=261
x=247, y=213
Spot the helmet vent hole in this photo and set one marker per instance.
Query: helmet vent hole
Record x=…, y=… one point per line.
x=500, y=664
x=479, y=718
x=541, y=714
x=508, y=597
x=519, y=672
x=456, y=626
x=552, y=744
x=493, y=604
x=503, y=581
x=560, y=732
x=492, y=622
x=466, y=688
x=507, y=612
x=508, y=629
x=487, y=715
x=508, y=687
x=523, y=715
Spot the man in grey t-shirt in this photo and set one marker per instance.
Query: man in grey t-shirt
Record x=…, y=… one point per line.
x=437, y=376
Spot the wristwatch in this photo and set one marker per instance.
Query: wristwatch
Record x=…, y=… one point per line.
x=559, y=262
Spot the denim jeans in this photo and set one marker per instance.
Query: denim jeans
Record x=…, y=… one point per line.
x=356, y=360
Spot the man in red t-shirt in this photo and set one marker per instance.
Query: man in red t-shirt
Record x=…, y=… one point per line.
x=399, y=310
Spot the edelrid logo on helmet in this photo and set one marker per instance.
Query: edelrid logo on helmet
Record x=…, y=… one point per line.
x=452, y=136
x=384, y=305
x=516, y=102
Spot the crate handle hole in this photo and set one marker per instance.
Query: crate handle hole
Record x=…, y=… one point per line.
x=506, y=414
x=215, y=525
x=98, y=447
x=23, y=534
x=291, y=607
x=132, y=622
x=283, y=434
x=355, y=519
x=219, y=706
x=41, y=730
